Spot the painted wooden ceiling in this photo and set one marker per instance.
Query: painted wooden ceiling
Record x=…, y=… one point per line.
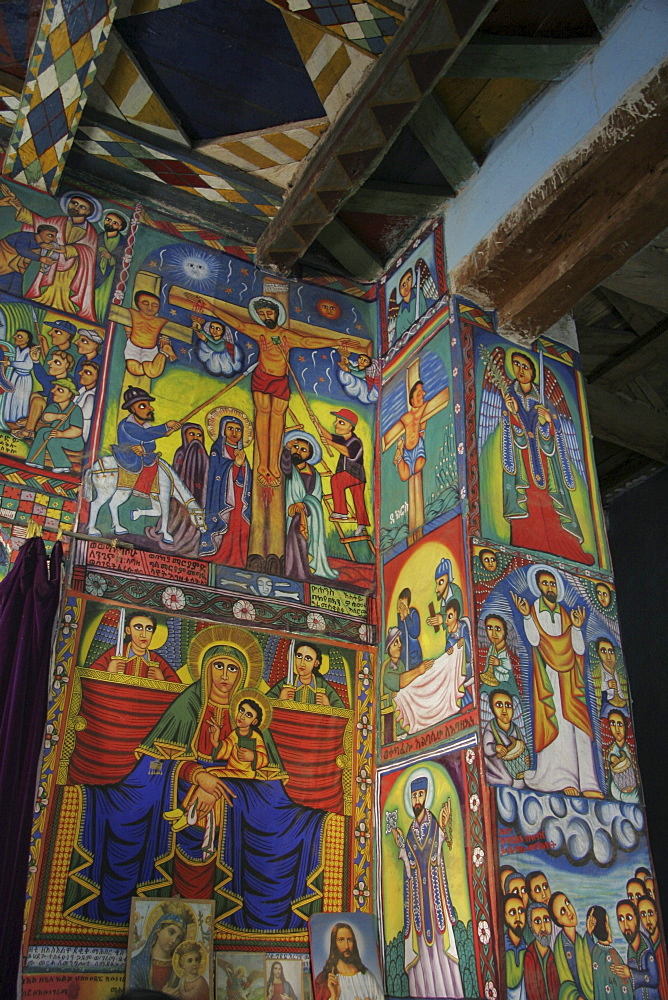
x=322, y=130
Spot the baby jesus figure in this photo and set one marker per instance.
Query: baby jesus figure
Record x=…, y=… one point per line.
x=188, y=962
x=243, y=753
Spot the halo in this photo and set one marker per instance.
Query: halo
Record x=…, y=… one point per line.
x=518, y=350
x=280, y=308
x=296, y=434
x=97, y=207
x=532, y=574
x=226, y=635
x=255, y=695
x=121, y=215
x=421, y=772
x=171, y=906
x=178, y=951
x=214, y=418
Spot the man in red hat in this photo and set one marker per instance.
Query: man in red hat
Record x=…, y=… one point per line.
x=349, y=473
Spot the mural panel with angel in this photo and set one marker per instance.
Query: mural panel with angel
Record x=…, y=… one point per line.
x=414, y=283
x=535, y=477
x=553, y=691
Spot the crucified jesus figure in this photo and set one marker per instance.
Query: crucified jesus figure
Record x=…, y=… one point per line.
x=270, y=385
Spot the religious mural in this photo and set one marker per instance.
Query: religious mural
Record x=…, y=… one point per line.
x=554, y=698
x=239, y=420
x=433, y=894
x=207, y=789
x=576, y=888
x=536, y=480
x=426, y=673
x=420, y=427
x=410, y=288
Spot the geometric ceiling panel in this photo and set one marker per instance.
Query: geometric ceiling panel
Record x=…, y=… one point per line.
x=18, y=26
x=223, y=67
x=274, y=155
x=121, y=89
x=367, y=25
x=335, y=66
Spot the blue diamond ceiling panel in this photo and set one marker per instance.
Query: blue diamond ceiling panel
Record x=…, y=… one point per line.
x=223, y=68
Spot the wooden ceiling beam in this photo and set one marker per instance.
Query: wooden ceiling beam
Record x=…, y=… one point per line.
x=644, y=352
x=604, y=11
x=379, y=198
x=599, y=205
x=436, y=133
x=422, y=50
x=490, y=57
x=357, y=259
x=627, y=423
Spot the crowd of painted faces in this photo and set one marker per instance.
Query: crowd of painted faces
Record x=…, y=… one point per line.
x=548, y=959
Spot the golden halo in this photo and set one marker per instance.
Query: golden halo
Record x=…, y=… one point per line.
x=226, y=635
x=172, y=906
x=214, y=417
x=526, y=354
x=255, y=695
x=178, y=951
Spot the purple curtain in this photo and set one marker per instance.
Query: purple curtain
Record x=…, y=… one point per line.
x=28, y=602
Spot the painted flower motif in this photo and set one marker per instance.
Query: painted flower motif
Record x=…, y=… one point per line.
x=458, y=408
x=50, y=737
x=59, y=678
x=478, y=857
x=474, y=802
x=244, y=610
x=173, y=598
x=360, y=892
x=363, y=780
x=95, y=584
x=364, y=675
x=462, y=493
x=362, y=834
x=42, y=799
x=490, y=990
x=607, y=988
x=453, y=341
x=460, y=448
x=470, y=756
x=484, y=933
x=316, y=622
x=364, y=726
x=363, y=632
x=455, y=372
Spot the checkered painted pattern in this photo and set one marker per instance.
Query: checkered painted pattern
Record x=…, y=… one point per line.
x=9, y=106
x=128, y=8
x=143, y=159
x=366, y=25
x=19, y=507
x=71, y=36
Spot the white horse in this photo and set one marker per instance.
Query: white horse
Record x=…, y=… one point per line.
x=103, y=478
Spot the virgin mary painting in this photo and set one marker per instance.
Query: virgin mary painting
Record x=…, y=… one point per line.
x=259, y=856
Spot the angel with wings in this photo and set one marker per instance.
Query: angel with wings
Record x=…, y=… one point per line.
x=526, y=417
x=416, y=293
x=360, y=379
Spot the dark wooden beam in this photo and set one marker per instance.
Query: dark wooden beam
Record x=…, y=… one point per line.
x=446, y=148
x=645, y=352
x=357, y=259
x=379, y=198
x=422, y=50
x=491, y=57
x=627, y=423
x=600, y=204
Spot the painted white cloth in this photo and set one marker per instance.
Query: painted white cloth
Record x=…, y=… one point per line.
x=568, y=762
x=435, y=695
x=361, y=986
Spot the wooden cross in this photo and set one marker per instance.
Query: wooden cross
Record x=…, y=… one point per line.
x=411, y=426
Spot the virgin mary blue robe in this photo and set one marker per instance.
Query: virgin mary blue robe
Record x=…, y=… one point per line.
x=269, y=852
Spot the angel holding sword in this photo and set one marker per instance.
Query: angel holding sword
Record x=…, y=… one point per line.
x=528, y=420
